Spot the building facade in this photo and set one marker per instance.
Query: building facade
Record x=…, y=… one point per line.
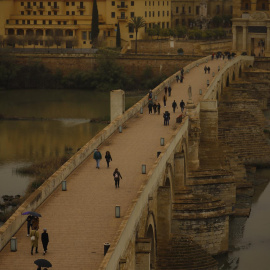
x=186, y=12
x=67, y=24
x=251, y=27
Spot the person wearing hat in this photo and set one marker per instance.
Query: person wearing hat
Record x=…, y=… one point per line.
x=45, y=240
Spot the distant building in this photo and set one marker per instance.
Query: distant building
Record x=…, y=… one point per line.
x=67, y=24
x=251, y=27
x=186, y=12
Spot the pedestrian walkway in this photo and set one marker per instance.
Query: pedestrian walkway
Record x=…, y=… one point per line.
x=80, y=220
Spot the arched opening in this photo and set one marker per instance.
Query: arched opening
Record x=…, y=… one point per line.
x=245, y=4
x=167, y=182
x=11, y=31
x=150, y=235
x=217, y=96
x=39, y=32
x=20, y=32
x=227, y=81
x=262, y=5
x=240, y=72
x=233, y=76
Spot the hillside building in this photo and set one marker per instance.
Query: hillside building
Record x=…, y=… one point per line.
x=67, y=23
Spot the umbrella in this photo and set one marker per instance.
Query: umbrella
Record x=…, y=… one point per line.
x=32, y=214
x=43, y=263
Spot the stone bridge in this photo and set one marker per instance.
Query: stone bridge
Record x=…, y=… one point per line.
x=174, y=216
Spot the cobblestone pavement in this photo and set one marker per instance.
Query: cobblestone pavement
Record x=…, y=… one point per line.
x=80, y=220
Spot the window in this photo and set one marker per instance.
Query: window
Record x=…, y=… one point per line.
x=189, y=9
x=67, y=12
x=59, y=23
x=28, y=12
x=49, y=4
x=109, y=33
x=131, y=29
x=153, y=3
x=131, y=14
x=23, y=21
x=150, y=25
x=41, y=12
x=64, y=23
x=22, y=4
x=34, y=3
x=163, y=3
x=49, y=13
x=44, y=22
x=218, y=9
x=22, y=12
x=35, y=21
x=197, y=10
x=167, y=3
x=158, y=3
x=168, y=13
x=67, y=4
x=145, y=14
x=50, y=21
x=177, y=10
x=149, y=3
x=84, y=35
x=149, y=13
x=113, y=14
x=73, y=3
x=158, y=13
x=132, y=3
x=81, y=12
x=113, y=3
x=75, y=22
x=7, y=21
x=153, y=13
x=73, y=12
x=34, y=13
x=123, y=15
x=17, y=21
x=28, y=21
x=145, y=3
x=163, y=13
x=130, y=36
x=183, y=10
x=55, y=13
x=177, y=21
x=163, y=25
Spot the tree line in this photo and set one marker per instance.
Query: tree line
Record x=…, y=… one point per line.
x=108, y=75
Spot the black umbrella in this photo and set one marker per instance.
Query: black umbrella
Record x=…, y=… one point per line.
x=32, y=214
x=43, y=263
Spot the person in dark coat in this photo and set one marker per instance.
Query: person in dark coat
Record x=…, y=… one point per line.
x=150, y=107
x=174, y=105
x=182, y=105
x=166, y=90
x=169, y=90
x=29, y=224
x=166, y=117
x=155, y=108
x=164, y=100
x=205, y=69
x=97, y=157
x=158, y=108
x=177, y=78
x=108, y=158
x=208, y=70
x=45, y=240
x=117, y=175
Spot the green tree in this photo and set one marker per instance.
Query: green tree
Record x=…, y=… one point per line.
x=137, y=23
x=95, y=29
x=118, y=37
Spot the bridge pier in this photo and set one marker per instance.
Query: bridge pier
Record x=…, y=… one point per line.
x=117, y=103
x=143, y=251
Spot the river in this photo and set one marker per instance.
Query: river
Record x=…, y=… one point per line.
x=61, y=123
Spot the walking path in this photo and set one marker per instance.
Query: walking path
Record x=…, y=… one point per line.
x=80, y=220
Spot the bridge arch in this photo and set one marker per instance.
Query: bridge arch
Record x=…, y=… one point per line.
x=228, y=81
x=151, y=234
x=233, y=77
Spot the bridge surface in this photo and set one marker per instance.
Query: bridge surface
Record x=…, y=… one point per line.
x=80, y=220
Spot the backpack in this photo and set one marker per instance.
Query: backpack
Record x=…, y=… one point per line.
x=116, y=175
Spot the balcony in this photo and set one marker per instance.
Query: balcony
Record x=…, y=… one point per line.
x=122, y=18
x=40, y=8
x=28, y=7
x=122, y=6
x=54, y=7
x=81, y=7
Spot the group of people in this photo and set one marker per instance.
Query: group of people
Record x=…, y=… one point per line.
x=153, y=107
x=182, y=106
x=180, y=77
x=206, y=69
x=116, y=174
x=32, y=231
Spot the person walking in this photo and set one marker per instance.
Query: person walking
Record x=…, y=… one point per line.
x=166, y=90
x=45, y=240
x=208, y=70
x=182, y=71
x=182, y=78
x=174, y=105
x=150, y=107
x=155, y=108
x=97, y=157
x=205, y=69
x=169, y=90
x=34, y=235
x=177, y=78
x=166, y=117
x=182, y=105
x=158, y=108
x=117, y=175
x=29, y=224
x=164, y=100
x=108, y=158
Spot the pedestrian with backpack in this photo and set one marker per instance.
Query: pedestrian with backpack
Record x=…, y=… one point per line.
x=117, y=175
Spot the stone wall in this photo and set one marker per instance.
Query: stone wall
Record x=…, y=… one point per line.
x=167, y=46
